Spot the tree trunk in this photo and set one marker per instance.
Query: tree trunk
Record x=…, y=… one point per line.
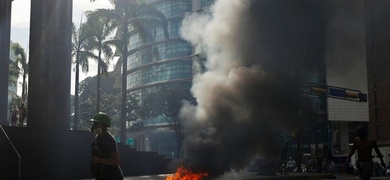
x=24, y=86
x=76, y=93
x=98, y=82
x=124, y=85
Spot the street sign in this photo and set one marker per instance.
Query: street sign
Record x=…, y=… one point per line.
x=334, y=92
x=117, y=139
x=346, y=94
x=130, y=141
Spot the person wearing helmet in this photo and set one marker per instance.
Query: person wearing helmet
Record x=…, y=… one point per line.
x=105, y=156
x=364, y=145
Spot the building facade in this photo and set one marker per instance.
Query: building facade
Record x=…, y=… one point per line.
x=173, y=66
x=346, y=67
x=339, y=48
x=334, y=35
x=378, y=46
x=357, y=49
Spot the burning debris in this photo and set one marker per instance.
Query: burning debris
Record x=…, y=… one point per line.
x=185, y=174
x=255, y=51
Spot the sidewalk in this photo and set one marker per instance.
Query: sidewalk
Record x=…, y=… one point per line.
x=293, y=176
x=245, y=176
x=146, y=177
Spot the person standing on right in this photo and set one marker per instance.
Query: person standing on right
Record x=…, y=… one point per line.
x=364, y=145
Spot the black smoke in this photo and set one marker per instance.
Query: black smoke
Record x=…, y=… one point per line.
x=257, y=51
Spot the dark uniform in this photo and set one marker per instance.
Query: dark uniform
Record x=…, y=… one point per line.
x=103, y=146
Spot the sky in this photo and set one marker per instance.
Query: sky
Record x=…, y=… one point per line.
x=20, y=25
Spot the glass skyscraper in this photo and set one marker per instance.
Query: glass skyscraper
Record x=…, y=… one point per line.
x=167, y=62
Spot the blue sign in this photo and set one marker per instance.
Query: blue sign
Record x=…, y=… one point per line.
x=336, y=92
x=347, y=94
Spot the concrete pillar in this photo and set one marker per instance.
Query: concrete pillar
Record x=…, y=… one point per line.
x=5, y=26
x=50, y=64
x=344, y=138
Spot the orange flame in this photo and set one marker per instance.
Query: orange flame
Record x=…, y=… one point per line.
x=185, y=174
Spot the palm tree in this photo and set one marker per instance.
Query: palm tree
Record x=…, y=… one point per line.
x=13, y=73
x=133, y=17
x=13, y=76
x=100, y=29
x=21, y=60
x=80, y=53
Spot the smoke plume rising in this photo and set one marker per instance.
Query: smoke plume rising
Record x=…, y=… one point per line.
x=248, y=93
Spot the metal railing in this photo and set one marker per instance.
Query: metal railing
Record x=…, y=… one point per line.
x=16, y=151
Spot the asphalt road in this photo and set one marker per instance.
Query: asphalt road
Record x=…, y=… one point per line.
x=344, y=177
x=239, y=176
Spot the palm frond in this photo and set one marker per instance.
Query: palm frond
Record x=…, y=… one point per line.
x=115, y=42
x=107, y=51
x=156, y=17
x=21, y=57
x=13, y=73
x=103, y=67
x=118, y=65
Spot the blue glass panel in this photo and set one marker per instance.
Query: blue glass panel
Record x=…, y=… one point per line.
x=336, y=92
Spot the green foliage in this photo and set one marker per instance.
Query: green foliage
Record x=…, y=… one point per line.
x=21, y=66
x=110, y=102
x=87, y=111
x=166, y=101
x=13, y=73
x=15, y=101
x=99, y=29
x=81, y=51
x=130, y=18
x=88, y=99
